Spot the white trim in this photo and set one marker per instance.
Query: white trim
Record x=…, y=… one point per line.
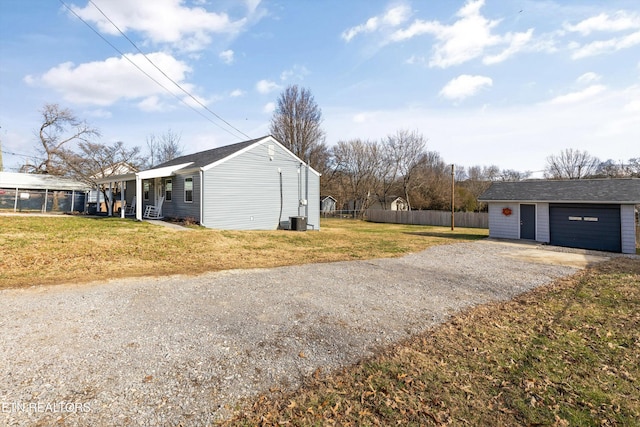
x=201, y=221
x=252, y=146
x=184, y=193
x=166, y=181
x=139, y=196
x=146, y=174
x=116, y=178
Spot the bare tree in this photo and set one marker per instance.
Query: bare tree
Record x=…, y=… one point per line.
x=611, y=169
x=633, y=167
x=93, y=161
x=296, y=123
x=433, y=189
x=163, y=148
x=407, y=150
x=60, y=127
x=571, y=164
x=354, y=165
x=513, y=175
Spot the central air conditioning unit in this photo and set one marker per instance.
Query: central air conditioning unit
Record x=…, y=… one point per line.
x=298, y=223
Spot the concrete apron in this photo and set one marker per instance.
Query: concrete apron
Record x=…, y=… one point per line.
x=543, y=254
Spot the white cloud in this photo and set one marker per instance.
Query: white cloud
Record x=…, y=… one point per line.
x=606, y=46
x=391, y=18
x=163, y=21
x=516, y=43
x=269, y=108
x=151, y=104
x=589, y=77
x=360, y=117
x=98, y=113
x=297, y=71
x=266, y=86
x=237, y=93
x=632, y=106
x=580, y=96
x=464, y=86
x=226, y=56
x=106, y=82
x=467, y=38
x=512, y=137
x=620, y=21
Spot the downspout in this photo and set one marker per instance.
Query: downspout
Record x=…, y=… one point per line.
x=306, y=193
x=300, y=190
x=281, y=200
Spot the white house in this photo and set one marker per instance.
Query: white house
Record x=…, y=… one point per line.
x=252, y=185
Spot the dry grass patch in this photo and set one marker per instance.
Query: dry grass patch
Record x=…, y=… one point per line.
x=567, y=354
x=49, y=250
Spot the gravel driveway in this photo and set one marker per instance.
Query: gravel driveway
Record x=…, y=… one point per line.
x=180, y=350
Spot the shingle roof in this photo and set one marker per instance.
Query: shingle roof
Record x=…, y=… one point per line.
x=207, y=157
x=622, y=190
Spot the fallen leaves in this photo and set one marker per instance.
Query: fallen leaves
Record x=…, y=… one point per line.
x=561, y=355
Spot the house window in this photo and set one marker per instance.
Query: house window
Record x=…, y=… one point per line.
x=168, y=188
x=188, y=189
x=146, y=190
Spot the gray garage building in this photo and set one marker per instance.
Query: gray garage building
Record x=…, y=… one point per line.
x=597, y=214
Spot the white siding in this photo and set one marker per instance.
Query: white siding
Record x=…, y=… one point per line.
x=502, y=226
x=542, y=222
x=243, y=192
x=628, y=229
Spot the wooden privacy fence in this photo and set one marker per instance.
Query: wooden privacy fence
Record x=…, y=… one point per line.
x=441, y=218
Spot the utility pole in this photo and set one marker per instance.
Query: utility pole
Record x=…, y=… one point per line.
x=453, y=203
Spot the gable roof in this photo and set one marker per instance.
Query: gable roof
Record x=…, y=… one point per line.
x=204, y=158
x=617, y=191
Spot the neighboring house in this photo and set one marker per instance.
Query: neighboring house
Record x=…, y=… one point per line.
x=96, y=200
x=590, y=214
x=392, y=203
x=399, y=204
x=327, y=204
x=25, y=192
x=252, y=185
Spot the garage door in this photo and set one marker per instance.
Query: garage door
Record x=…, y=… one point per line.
x=585, y=226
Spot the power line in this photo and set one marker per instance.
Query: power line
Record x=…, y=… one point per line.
x=19, y=154
x=164, y=74
x=153, y=79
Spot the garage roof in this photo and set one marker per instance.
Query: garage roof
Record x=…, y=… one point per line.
x=617, y=191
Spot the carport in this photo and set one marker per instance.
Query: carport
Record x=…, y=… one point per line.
x=598, y=214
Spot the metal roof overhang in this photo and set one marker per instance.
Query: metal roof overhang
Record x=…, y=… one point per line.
x=146, y=174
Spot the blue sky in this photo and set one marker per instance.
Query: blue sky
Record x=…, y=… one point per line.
x=487, y=82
